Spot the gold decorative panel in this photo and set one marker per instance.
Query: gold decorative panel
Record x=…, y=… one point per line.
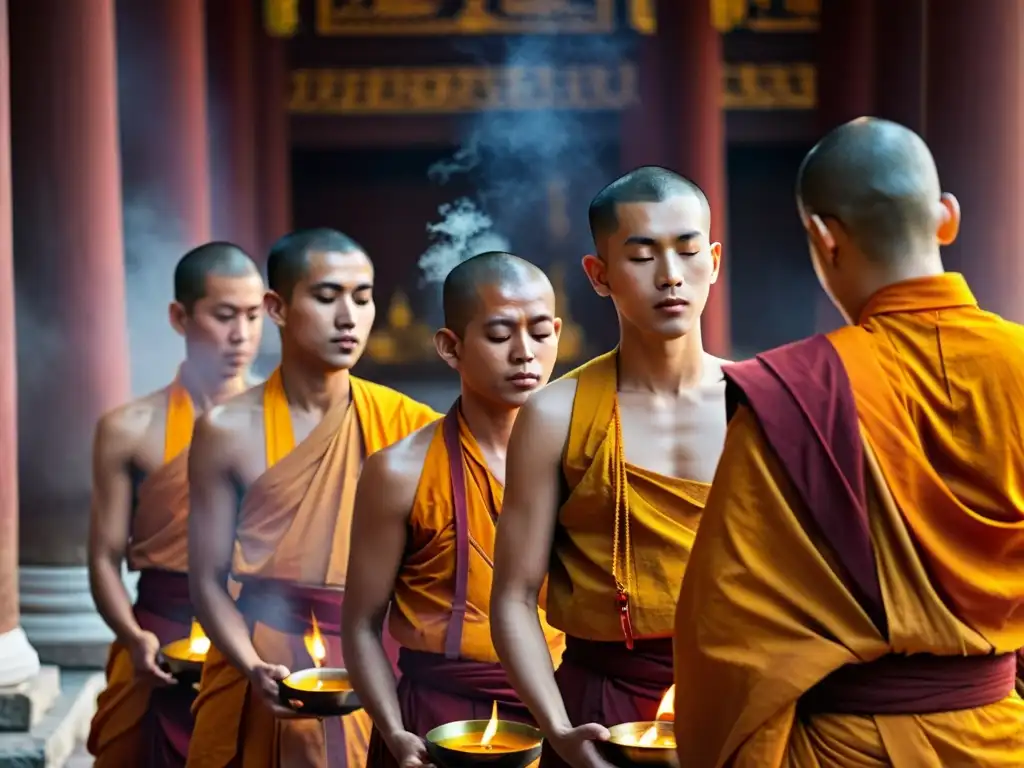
x=454, y=90
x=770, y=86
x=281, y=17
x=464, y=17
x=447, y=90
x=766, y=15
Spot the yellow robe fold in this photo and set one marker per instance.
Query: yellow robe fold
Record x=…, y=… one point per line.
x=764, y=614
x=424, y=587
x=158, y=540
x=293, y=527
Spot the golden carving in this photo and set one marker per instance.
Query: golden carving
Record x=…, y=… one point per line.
x=559, y=224
x=404, y=339
x=766, y=15
x=468, y=17
x=281, y=17
x=770, y=86
x=571, y=344
x=642, y=16
x=446, y=90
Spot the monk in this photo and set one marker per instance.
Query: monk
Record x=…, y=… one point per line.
x=425, y=518
x=273, y=477
x=855, y=596
x=140, y=508
x=607, y=473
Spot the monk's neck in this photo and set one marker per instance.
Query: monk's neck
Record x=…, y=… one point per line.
x=660, y=366
x=206, y=391
x=314, y=390
x=490, y=425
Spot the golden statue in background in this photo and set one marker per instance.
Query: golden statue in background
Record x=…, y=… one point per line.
x=404, y=339
x=570, y=343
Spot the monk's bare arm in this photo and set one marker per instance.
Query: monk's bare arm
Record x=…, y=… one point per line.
x=533, y=483
x=384, y=499
x=110, y=522
x=213, y=511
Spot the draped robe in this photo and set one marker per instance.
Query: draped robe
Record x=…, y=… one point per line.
x=439, y=614
x=856, y=592
x=291, y=553
x=601, y=678
x=134, y=723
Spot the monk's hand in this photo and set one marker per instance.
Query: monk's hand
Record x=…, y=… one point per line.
x=409, y=750
x=576, y=745
x=145, y=653
x=264, y=679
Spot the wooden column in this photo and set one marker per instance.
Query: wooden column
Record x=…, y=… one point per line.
x=975, y=125
x=72, y=345
x=846, y=89
x=694, y=86
x=231, y=100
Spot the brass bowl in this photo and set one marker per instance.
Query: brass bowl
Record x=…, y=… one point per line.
x=297, y=692
x=621, y=748
x=186, y=667
x=447, y=757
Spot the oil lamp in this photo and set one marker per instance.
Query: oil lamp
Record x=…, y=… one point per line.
x=647, y=743
x=492, y=743
x=184, y=658
x=319, y=691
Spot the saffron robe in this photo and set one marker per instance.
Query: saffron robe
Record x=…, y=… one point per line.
x=291, y=551
x=439, y=614
x=602, y=680
x=135, y=724
x=870, y=516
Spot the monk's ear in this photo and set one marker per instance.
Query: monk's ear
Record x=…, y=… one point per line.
x=949, y=219
x=821, y=236
x=178, y=316
x=276, y=308
x=716, y=258
x=448, y=346
x=597, y=274
x=557, y=323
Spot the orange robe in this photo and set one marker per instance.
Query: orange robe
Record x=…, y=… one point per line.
x=291, y=554
x=649, y=521
x=439, y=614
x=863, y=608
x=134, y=724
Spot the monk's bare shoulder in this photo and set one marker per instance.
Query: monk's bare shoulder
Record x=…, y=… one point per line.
x=228, y=428
x=713, y=384
x=394, y=472
x=543, y=421
x=125, y=430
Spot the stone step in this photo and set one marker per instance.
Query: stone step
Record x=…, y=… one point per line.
x=54, y=739
x=23, y=706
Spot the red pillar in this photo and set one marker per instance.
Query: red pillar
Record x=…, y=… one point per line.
x=165, y=133
x=273, y=142
x=18, y=661
x=695, y=93
x=230, y=51
x=975, y=125
x=846, y=89
x=73, y=361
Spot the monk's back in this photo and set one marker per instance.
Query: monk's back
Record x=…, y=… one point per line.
x=960, y=374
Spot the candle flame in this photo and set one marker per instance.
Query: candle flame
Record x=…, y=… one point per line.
x=666, y=711
x=198, y=642
x=314, y=642
x=492, y=727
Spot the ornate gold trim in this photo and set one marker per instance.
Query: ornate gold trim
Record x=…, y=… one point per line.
x=281, y=17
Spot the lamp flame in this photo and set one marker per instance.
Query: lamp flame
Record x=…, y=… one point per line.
x=314, y=643
x=492, y=727
x=666, y=711
x=198, y=642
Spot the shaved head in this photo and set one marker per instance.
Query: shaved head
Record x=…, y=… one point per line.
x=462, y=286
x=289, y=256
x=218, y=259
x=647, y=184
x=878, y=179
